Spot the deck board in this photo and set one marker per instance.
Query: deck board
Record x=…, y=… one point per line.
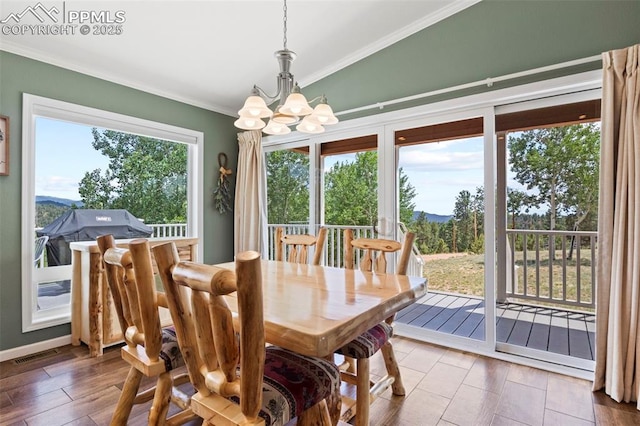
x=539, y=337
x=471, y=323
x=559, y=334
x=460, y=316
x=506, y=322
x=542, y=328
x=522, y=327
x=452, y=308
x=578, y=337
x=435, y=310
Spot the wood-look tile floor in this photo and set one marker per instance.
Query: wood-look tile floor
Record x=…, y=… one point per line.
x=444, y=387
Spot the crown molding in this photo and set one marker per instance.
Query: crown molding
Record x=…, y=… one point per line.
x=37, y=55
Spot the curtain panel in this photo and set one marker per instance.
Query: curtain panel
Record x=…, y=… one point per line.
x=618, y=274
x=250, y=212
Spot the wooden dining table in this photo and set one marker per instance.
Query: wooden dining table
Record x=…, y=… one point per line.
x=314, y=310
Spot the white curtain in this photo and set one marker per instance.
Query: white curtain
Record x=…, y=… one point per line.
x=618, y=294
x=250, y=232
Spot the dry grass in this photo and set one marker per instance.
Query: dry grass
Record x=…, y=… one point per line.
x=459, y=274
x=465, y=275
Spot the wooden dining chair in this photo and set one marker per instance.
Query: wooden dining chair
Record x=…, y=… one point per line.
x=240, y=381
x=378, y=337
x=295, y=247
x=151, y=351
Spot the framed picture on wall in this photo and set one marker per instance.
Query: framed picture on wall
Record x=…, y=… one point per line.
x=4, y=145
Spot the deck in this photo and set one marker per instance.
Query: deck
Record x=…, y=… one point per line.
x=542, y=328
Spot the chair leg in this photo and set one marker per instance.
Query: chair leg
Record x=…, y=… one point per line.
x=318, y=415
x=393, y=370
x=334, y=404
x=363, y=397
x=161, y=400
x=351, y=364
x=127, y=396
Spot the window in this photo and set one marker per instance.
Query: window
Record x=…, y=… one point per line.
x=43, y=118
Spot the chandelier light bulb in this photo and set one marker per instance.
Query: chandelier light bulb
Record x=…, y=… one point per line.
x=255, y=107
x=248, y=123
x=324, y=114
x=309, y=126
x=296, y=104
x=275, y=128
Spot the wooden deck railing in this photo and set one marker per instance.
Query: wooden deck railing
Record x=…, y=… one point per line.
x=168, y=230
x=555, y=267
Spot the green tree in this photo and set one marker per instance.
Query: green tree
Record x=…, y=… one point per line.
x=463, y=221
x=580, y=200
x=287, y=186
x=560, y=166
x=407, y=194
x=517, y=201
x=146, y=176
x=351, y=192
x=448, y=235
x=47, y=212
x=477, y=209
x=423, y=232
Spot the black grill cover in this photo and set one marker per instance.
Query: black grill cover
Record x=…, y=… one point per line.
x=87, y=225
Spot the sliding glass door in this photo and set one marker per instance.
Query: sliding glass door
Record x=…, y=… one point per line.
x=547, y=228
x=443, y=168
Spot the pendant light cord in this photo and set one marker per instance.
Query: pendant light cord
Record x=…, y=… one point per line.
x=284, y=21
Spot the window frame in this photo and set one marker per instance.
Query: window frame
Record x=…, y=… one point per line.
x=36, y=106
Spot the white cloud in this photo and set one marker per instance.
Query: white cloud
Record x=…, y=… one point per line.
x=58, y=186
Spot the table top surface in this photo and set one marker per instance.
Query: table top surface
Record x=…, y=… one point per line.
x=315, y=310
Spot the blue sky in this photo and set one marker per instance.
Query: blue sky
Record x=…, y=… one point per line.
x=440, y=170
x=63, y=155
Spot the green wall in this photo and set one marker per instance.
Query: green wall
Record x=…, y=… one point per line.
x=20, y=75
x=489, y=39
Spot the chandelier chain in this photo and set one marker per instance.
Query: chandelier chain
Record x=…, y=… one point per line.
x=284, y=21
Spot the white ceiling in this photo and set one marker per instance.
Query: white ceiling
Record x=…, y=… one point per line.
x=211, y=53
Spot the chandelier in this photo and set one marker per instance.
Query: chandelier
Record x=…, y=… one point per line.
x=293, y=107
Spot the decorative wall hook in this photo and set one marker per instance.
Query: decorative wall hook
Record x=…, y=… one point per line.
x=222, y=196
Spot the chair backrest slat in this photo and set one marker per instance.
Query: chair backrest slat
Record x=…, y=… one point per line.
x=147, y=298
x=375, y=249
x=134, y=293
x=296, y=246
x=205, y=328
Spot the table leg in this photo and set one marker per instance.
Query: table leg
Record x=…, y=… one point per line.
x=95, y=304
x=392, y=369
x=76, y=298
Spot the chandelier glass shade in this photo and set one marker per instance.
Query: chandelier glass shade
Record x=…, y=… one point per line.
x=293, y=107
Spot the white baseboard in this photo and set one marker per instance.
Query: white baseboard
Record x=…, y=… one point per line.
x=34, y=348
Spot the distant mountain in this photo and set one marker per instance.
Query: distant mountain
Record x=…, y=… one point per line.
x=438, y=218
x=45, y=199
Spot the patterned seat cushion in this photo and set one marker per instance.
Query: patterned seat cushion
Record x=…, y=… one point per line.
x=170, y=351
x=368, y=343
x=294, y=383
